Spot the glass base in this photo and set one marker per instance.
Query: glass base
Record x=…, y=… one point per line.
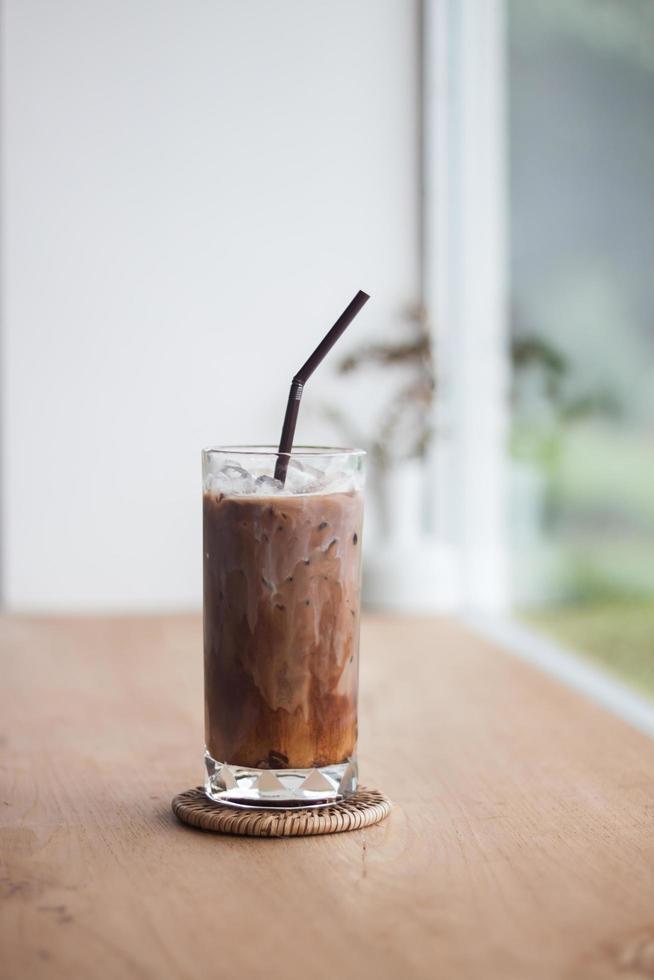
x=255, y=789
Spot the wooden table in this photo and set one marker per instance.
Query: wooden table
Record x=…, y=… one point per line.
x=521, y=844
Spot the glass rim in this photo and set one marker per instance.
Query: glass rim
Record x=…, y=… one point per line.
x=296, y=452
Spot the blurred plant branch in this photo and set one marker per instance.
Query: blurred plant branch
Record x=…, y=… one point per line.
x=404, y=429
x=532, y=351
x=538, y=428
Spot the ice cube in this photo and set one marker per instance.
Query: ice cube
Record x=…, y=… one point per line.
x=340, y=482
x=302, y=478
x=231, y=479
x=268, y=485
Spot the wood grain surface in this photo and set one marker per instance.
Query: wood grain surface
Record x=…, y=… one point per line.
x=521, y=843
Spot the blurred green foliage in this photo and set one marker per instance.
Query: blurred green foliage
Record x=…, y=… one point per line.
x=618, y=634
x=581, y=85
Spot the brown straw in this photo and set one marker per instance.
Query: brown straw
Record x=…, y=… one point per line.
x=301, y=378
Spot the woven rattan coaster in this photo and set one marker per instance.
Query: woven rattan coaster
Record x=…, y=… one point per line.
x=365, y=808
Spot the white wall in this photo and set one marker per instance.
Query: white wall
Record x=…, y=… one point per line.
x=192, y=192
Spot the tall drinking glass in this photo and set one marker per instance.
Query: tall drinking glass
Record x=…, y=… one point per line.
x=282, y=577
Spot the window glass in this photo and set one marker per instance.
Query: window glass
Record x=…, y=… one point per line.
x=581, y=138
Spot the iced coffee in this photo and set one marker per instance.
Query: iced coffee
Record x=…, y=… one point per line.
x=281, y=626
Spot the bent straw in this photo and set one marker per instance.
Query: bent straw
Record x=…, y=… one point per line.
x=301, y=378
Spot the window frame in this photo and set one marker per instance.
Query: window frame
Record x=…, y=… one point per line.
x=463, y=197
